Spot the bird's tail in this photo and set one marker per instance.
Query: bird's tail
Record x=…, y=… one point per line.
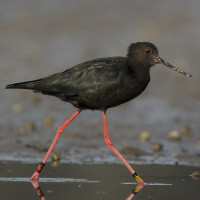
x=31, y=85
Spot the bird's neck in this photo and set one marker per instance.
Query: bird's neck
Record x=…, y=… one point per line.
x=140, y=72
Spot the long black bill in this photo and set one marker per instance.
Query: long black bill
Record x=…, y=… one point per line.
x=160, y=60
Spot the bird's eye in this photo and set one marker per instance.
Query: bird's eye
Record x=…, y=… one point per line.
x=148, y=51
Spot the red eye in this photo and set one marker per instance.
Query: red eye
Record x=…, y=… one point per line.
x=148, y=51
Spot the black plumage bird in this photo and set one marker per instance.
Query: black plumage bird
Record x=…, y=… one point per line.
x=100, y=84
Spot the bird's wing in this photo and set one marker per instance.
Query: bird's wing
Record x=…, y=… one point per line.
x=90, y=75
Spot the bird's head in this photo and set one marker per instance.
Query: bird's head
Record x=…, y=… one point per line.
x=145, y=54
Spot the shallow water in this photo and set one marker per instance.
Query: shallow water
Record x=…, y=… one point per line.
x=43, y=37
x=98, y=181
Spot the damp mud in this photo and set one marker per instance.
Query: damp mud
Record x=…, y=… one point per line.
x=97, y=181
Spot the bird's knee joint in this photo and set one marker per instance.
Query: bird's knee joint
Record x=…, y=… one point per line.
x=60, y=129
x=108, y=142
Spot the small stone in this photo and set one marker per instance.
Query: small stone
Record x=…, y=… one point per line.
x=176, y=163
x=144, y=136
x=55, y=157
x=48, y=121
x=16, y=108
x=196, y=175
x=198, y=141
x=175, y=135
x=30, y=126
x=55, y=163
x=185, y=130
x=157, y=147
x=22, y=131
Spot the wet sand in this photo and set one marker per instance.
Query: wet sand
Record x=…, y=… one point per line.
x=98, y=181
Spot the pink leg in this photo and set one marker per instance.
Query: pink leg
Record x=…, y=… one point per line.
x=110, y=145
x=61, y=128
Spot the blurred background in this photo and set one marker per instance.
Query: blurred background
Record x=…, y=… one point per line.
x=39, y=38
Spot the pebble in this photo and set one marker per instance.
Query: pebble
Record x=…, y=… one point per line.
x=198, y=141
x=196, y=175
x=144, y=136
x=174, y=135
x=16, y=108
x=176, y=163
x=48, y=121
x=22, y=131
x=30, y=126
x=55, y=157
x=185, y=130
x=157, y=147
x=55, y=163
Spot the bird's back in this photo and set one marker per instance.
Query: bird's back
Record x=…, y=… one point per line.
x=96, y=84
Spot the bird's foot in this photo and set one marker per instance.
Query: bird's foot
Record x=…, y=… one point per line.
x=35, y=176
x=34, y=183
x=142, y=183
x=139, y=180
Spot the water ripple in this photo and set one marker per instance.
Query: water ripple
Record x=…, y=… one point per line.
x=48, y=180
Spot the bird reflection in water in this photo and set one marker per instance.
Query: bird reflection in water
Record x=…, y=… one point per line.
x=135, y=191
x=40, y=194
x=38, y=189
